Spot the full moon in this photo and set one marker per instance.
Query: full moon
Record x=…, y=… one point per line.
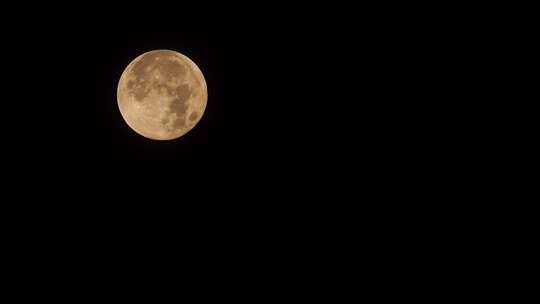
x=162, y=95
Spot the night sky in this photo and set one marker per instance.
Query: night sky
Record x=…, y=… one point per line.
x=307, y=113
x=294, y=91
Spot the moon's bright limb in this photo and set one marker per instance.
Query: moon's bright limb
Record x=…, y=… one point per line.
x=162, y=94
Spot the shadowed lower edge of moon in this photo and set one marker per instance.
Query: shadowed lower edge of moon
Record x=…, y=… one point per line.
x=181, y=95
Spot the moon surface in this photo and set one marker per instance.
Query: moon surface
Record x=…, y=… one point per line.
x=162, y=94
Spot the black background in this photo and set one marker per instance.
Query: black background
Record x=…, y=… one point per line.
x=279, y=85
x=294, y=103
x=324, y=127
